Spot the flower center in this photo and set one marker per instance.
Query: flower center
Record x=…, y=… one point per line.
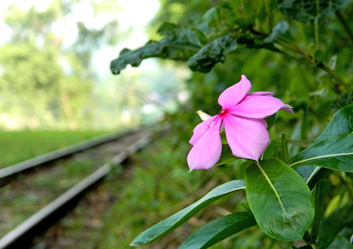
x=222, y=112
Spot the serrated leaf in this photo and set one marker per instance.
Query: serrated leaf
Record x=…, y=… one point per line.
x=208, y=56
x=169, y=224
x=334, y=152
x=168, y=30
x=305, y=11
x=163, y=49
x=177, y=44
x=209, y=22
x=279, y=199
x=201, y=36
x=219, y=229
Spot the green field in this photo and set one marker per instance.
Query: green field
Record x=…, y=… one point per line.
x=17, y=146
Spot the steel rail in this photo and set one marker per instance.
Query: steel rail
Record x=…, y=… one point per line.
x=60, y=153
x=18, y=237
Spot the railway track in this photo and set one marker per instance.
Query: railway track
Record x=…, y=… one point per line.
x=18, y=168
x=22, y=235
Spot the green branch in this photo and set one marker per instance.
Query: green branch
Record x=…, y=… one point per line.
x=312, y=62
x=335, y=76
x=309, y=60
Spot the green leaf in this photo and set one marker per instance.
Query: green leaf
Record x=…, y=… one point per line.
x=209, y=21
x=341, y=123
x=169, y=224
x=280, y=29
x=305, y=11
x=279, y=199
x=270, y=120
x=285, y=153
x=332, y=225
x=219, y=229
x=226, y=156
x=319, y=192
x=334, y=152
x=274, y=149
x=163, y=49
x=177, y=44
x=168, y=30
x=214, y=52
x=242, y=167
x=340, y=243
x=277, y=148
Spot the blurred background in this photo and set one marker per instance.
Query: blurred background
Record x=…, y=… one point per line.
x=55, y=58
x=56, y=89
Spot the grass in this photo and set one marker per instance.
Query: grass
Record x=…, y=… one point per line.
x=29, y=192
x=23, y=197
x=17, y=146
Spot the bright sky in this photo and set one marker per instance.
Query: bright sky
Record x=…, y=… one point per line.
x=134, y=14
x=129, y=17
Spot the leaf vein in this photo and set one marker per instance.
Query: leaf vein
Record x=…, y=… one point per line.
x=319, y=157
x=277, y=195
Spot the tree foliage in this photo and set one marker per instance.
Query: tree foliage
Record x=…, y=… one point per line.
x=44, y=80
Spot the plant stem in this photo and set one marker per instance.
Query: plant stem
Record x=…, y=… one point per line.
x=296, y=49
x=334, y=75
x=311, y=60
x=321, y=65
x=269, y=14
x=345, y=25
x=308, y=238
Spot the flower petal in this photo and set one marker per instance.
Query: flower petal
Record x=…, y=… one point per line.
x=262, y=94
x=287, y=108
x=257, y=107
x=234, y=94
x=207, y=150
x=247, y=138
x=201, y=129
x=204, y=116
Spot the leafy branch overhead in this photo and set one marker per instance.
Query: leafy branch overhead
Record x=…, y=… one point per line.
x=234, y=25
x=202, y=45
x=185, y=46
x=305, y=11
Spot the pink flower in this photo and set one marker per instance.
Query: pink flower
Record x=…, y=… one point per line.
x=242, y=117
